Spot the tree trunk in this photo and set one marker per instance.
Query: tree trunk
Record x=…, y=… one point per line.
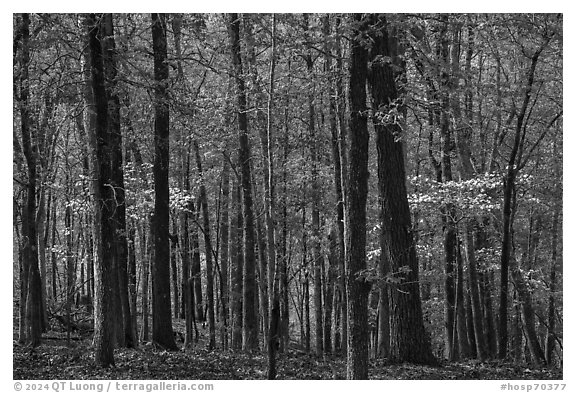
x=224, y=239
x=117, y=181
x=133, y=280
x=103, y=203
x=461, y=329
x=162, y=333
x=551, y=333
x=473, y=280
x=146, y=267
x=357, y=288
x=196, y=273
x=174, y=268
x=408, y=339
x=70, y=271
x=31, y=273
x=330, y=281
x=236, y=259
x=249, y=322
x=208, y=252
x=306, y=311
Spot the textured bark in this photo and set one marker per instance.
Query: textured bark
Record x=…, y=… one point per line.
x=126, y=330
x=162, y=333
x=408, y=339
x=356, y=287
x=32, y=281
x=103, y=201
x=383, y=344
x=249, y=322
x=273, y=341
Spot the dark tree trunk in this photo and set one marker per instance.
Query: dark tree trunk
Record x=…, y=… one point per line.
x=162, y=333
x=249, y=322
x=30, y=275
x=357, y=287
x=126, y=333
x=104, y=203
x=408, y=339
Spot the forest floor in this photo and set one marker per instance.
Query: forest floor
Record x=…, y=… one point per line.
x=54, y=359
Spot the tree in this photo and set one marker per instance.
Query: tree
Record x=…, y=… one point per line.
x=408, y=339
x=161, y=311
x=127, y=334
x=249, y=321
x=104, y=202
x=30, y=284
x=357, y=288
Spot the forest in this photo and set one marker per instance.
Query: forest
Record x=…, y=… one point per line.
x=287, y=196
